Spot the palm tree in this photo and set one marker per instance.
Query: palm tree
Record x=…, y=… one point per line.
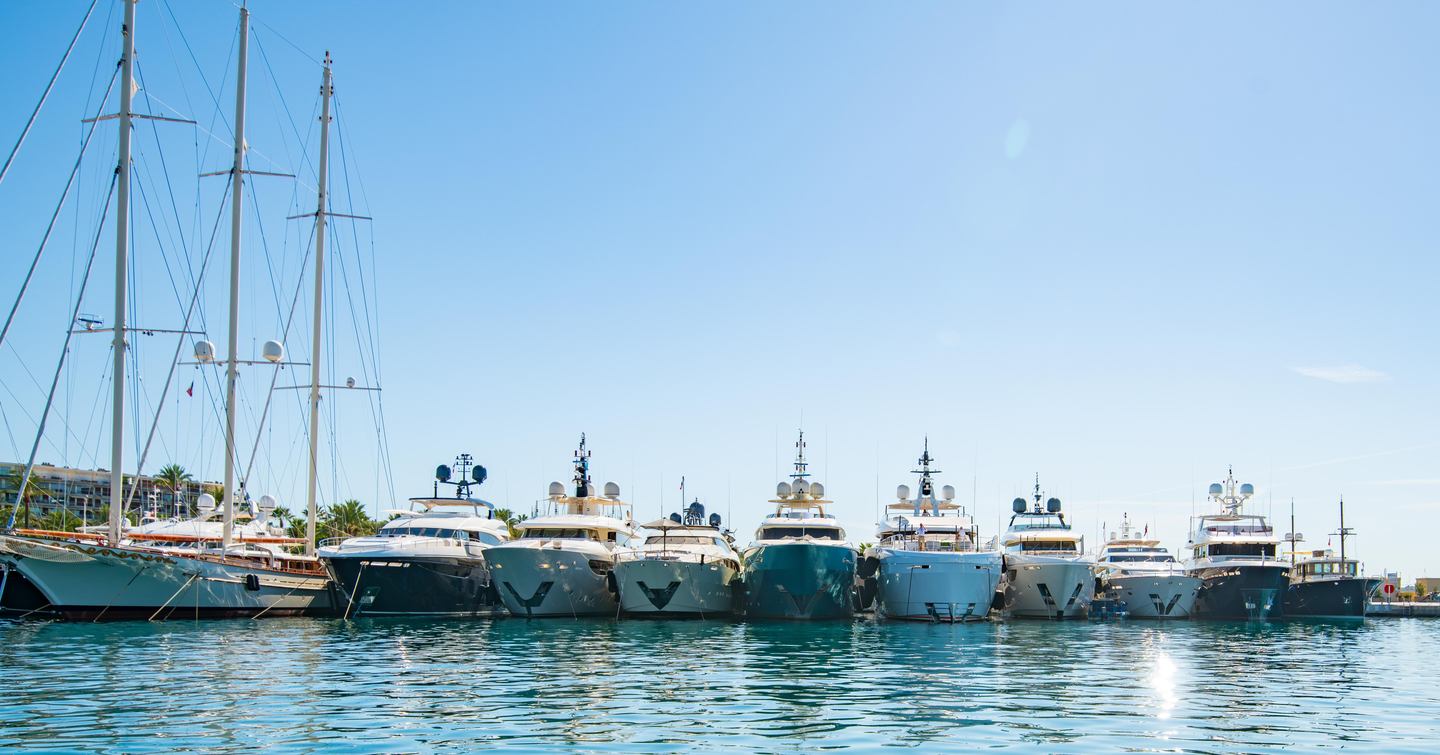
x=60, y=520
x=349, y=519
x=282, y=515
x=510, y=519
x=174, y=478
x=23, y=498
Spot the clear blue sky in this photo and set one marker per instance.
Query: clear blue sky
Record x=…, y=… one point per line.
x=1121, y=245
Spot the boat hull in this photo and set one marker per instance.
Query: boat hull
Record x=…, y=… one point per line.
x=803, y=581
x=82, y=581
x=1345, y=598
x=413, y=586
x=1155, y=596
x=936, y=586
x=542, y=582
x=19, y=596
x=652, y=587
x=1042, y=587
x=1247, y=593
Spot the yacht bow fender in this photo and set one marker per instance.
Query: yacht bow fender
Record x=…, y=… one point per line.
x=867, y=567
x=611, y=583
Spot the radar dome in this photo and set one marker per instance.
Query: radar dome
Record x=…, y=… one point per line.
x=349, y=382
x=948, y=492
x=902, y=492
x=480, y=474
x=442, y=473
x=1247, y=489
x=802, y=487
x=1216, y=489
x=782, y=490
x=1053, y=505
x=675, y=518
x=715, y=521
x=272, y=351
x=612, y=490
x=556, y=490
x=267, y=503
x=205, y=502
x=204, y=351
x=589, y=489
x=817, y=490
x=1018, y=505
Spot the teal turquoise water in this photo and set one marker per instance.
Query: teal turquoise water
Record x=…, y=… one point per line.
x=301, y=685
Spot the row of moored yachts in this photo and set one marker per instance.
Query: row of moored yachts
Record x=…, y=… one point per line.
x=583, y=554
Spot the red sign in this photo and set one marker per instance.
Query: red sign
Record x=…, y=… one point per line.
x=1389, y=588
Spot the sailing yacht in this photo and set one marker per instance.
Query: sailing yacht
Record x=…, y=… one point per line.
x=1326, y=586
x=427, y=561
x=158, y=574
x=800, y=565
x=1234, y=555
x=688, y=567
x=1047, y=575
x=927, y=559
x=561, y=563
x=1146, y=577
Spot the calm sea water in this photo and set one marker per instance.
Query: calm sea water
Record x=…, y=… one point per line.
x=386, y=685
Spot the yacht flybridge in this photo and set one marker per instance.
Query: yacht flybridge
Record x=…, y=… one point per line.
x=561, y=563
x=927, y=561
x=1136, y=570
x=688, y=567
x=1047, y=575
x=427, y=561
x=800, y=565
x=1234, y=556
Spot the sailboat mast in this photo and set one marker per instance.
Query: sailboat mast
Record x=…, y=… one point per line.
x=310, y=514
x=122, y=249
x=1343, y=532
x=237, y=182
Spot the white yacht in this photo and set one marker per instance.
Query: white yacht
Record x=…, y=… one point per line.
x=561, y=563
x=927, y=561
x=800, y=565
x=1146, y=577
x=688, y=567
x=1047, y=575
x=1235, y=556
x=427, y=561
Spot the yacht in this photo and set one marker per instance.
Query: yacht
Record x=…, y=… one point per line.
x=1234, y=555
x=1134, y=569
x=427, y=561
x=927, y=559
x=562, y=560
x=800, y=565
x=688, y=567
x=1047, y=575
x=1324, y=585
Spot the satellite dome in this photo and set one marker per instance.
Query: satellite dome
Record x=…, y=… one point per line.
x=442, y=473
x=556, y=490
x=948, y=492
x=802, y=487
x=675, y=518
x=272, y=351
x=480, y=474
x=902, y=492
x=267, y=503
x=1216, y=489
x=612, y=490
x=204, y=351
x=817, y=490
x=349, y=382
x=696, y=510
x=782, y=490
x=1053, y=505
x=589, y=490
x=205, y=502
x=1018, y=505
x=715, y=521
x=1247, y=489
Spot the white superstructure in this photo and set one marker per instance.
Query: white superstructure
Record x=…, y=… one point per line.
x=1047, y=575
x=1136, y=570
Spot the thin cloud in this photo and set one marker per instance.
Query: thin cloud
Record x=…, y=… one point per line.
x=1409, y=482
x=1348, y=373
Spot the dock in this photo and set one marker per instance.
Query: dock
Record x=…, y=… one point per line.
x=1399, y=608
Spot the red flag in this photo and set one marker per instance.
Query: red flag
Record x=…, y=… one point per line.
x=191, y=390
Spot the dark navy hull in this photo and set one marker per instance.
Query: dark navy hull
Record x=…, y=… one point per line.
x=20, y=596
x=413, y=587
x=1344, y=598
x=1247, y=593
x=800, y=581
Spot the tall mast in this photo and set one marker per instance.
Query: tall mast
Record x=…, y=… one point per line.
x=1343, y=531
x=325, y=91
x=237, y=182
x=1293, y=537
x=122, y=249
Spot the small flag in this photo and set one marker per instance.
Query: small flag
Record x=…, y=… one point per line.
x=1147, y=530
x=191, y=390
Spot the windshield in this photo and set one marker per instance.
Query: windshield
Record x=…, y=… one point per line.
x=1066, y=546
x=781, y=533
x=1160, y=558
x=560, y=533
x=683, y=540
x=1242, y=549
x=1037, y=522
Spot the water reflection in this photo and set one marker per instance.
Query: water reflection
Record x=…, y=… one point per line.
x=658, y=686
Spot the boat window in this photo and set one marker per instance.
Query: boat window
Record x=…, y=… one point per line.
x=1067, y=546
x=484, y=537
x=1153, y=558
x=782, y=533
x=560, y=533
x=681, y=540
x=1242, y=549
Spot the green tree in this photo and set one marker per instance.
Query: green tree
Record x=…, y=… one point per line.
x=173, y=478
x=511, y=520
x=11, y=488
x=60, y=520
x=349, y=519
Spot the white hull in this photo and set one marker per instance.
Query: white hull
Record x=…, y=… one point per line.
x=1047, y=587
x=547, y=581
x=652, y=587
x=1156, y=596
x=936, y=586
x=89, y=581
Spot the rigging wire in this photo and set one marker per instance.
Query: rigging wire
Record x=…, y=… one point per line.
x=46, y=94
